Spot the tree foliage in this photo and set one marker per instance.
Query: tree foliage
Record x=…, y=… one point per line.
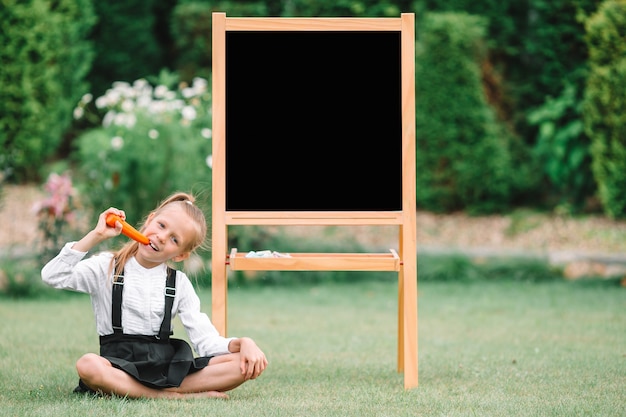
x=529, y=75
x=131, y=41
x=45, y=56
x=465, y=156
x=605, y=100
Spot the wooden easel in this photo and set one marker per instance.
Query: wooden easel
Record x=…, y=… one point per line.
x=403, y=261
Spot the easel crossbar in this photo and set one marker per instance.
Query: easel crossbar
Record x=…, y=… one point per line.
x=317, y=262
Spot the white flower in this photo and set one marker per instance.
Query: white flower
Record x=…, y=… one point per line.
x=121, y=85
x=108, y=118
x=176, y=105
x=160, y=91
x=140, y=83
x=112, y=97
x=144, y=101
x=200, y=84
x=124, y=102
x=128, y=105
x=123, y=89
x=117, y=143
x=209, y=161
x=101, y=102
x=145, y=91
x=120, y=119
x=206, y=133
x=157, y=107
x=78, y=112
x=188, y=92
x=188, y=113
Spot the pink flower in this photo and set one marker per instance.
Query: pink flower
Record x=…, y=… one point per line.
x=60, y=191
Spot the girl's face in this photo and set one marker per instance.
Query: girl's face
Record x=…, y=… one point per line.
x=170, y=232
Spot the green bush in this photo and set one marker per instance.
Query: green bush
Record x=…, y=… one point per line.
x=191, y=22
x=126, y=41
x=457, y=267
x=153, y=140
x=562, y=149
x=466, y=159
x=191, y=31
x=605, y=100
x=537, y=45
x=21, y=278
x=45, y=58
x=363, y=8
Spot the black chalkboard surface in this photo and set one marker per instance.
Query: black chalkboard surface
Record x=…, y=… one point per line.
x=313, y=121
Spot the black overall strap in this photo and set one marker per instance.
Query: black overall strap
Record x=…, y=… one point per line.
x=170, y=293
x=116, y=305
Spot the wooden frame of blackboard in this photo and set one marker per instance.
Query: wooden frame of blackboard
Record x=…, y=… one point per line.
x=393, y=185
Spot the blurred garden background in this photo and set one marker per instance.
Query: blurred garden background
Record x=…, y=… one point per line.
x=521, y=133
x=521, y=197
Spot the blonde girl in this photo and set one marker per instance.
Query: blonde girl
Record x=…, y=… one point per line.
x=135, y=294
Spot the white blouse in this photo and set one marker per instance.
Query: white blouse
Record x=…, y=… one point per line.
x=143, y=300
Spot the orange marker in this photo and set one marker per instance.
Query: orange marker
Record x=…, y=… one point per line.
x=127, y=229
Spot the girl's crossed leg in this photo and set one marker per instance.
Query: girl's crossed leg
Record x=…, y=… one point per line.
x=221, y=374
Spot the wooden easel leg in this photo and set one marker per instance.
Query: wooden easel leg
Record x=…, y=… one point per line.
x=407, y=308
x=400, y=321
x=219, y=281
x=410, y=322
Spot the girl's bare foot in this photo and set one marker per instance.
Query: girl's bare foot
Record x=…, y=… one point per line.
x=207, y=394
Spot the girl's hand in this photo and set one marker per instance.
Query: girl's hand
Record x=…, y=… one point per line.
x=102, y=228
x=253, y=360
x=101, y=232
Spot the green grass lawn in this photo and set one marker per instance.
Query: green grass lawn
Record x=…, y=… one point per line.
x=485, y=349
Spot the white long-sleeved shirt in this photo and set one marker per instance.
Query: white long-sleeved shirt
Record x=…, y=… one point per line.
x=143, y=302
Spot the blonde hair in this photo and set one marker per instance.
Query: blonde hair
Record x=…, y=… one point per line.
x=185, y=202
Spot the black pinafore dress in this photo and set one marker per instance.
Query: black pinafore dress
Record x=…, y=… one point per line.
x=155, y=361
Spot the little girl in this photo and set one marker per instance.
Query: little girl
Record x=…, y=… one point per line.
x=135, y=294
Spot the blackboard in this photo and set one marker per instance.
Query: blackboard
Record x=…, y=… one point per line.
x=313, y=121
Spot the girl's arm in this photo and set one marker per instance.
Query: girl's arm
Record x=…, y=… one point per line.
x=101, y=232
x=71, y=271
x=202, y=334
x=252, y=359
x=66, y=269
x=205, y=337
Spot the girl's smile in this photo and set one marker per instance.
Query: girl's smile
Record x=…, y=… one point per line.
x=169, y=233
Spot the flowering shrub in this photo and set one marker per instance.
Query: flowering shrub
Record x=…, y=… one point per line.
x=57, y=214
x=150, y=142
